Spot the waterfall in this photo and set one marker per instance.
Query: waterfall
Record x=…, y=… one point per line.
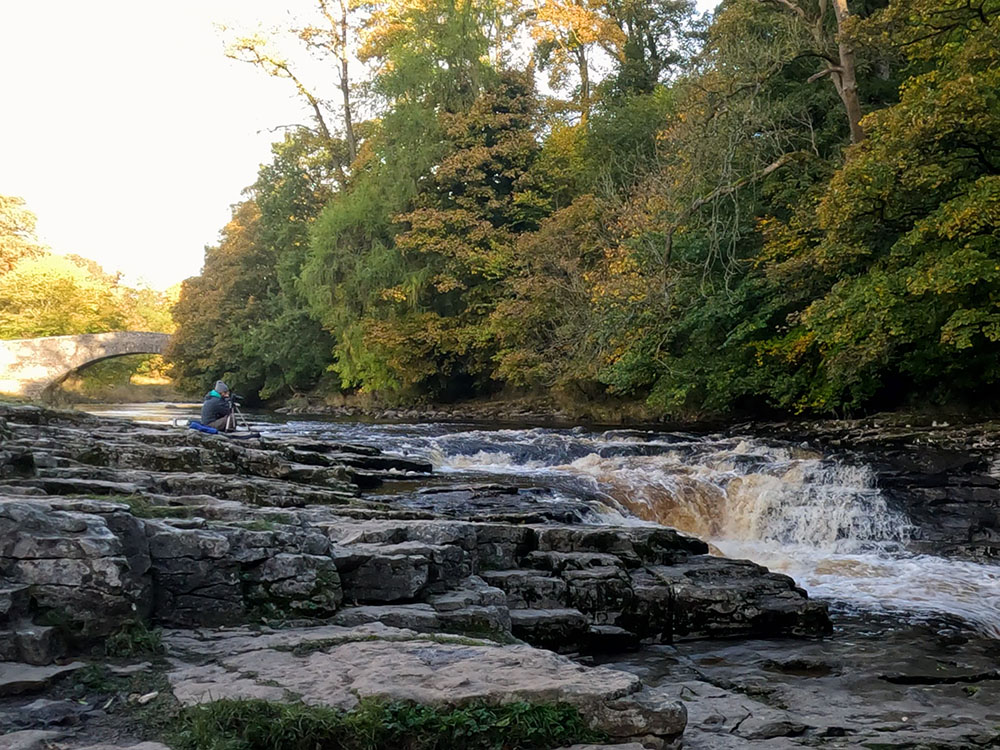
x=818, y=518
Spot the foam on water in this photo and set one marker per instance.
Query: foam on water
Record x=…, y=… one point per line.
x=819, y=520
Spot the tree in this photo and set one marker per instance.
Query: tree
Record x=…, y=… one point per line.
x=244, y=317
x=567, y=33
x=830, y=43
x=547, y=328
x=334, y=40
x=329, y=38
x=896, y=262
x=430, y=52
x=17, y=233
x=54, y=295
x=461, y=236
x=218, y=309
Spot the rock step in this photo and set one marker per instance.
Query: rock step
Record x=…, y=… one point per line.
x=32, y=644
x=15, y=601
x=22, y=678
x=528, y=588
x=554, y=629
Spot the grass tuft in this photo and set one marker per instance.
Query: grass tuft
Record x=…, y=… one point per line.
x=134, y=638
x=379, y=725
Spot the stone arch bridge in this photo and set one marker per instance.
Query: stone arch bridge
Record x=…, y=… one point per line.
x=29, y=366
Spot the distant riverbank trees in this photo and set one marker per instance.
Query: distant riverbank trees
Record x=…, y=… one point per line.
x=790, y=205
x=45, y=294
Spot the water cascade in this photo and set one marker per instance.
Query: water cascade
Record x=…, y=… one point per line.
x=819, y=519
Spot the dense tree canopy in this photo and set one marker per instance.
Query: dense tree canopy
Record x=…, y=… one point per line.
x=792, y=204
x=44, y=294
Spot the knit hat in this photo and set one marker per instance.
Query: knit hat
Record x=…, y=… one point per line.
x=221, y=387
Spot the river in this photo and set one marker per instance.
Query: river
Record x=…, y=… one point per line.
x=817, y=518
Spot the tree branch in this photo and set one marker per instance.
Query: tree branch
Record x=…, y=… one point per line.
x=724, y=190
x=792, y=7
x=829, y=70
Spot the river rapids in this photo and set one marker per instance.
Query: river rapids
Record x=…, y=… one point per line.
x=816, y=518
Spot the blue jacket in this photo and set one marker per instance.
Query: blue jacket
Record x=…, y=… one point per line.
x=214, y=407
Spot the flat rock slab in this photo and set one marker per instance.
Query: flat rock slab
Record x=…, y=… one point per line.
x=22, y=678
x=337, y=666
x=347, y=665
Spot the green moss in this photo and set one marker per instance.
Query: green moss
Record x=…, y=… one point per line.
x=378, y=725
x=257, y=525
x=134, y=638
x=141, y=507
x=482, y=631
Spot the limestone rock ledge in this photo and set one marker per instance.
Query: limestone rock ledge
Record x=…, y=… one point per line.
x=337, y=666
x=442, y=596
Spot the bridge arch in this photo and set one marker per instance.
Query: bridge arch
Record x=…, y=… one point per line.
x=29, y=366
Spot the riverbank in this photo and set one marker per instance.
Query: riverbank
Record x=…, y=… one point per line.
x=315, y=565
x=505, y=409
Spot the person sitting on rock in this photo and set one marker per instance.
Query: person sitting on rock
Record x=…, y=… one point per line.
x=217, y=410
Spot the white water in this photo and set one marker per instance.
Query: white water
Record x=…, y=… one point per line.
x=819, y=520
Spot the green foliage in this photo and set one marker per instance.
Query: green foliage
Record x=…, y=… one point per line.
x=134, y=638
x=44, y=294
x=53, y=295
x=719, y=240
x=900, y=255
x=244, y=318
x=379, y=725
x=17, y=233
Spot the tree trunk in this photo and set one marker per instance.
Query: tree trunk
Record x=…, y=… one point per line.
x=581, y=62
x=345, y=86
x=845, y=78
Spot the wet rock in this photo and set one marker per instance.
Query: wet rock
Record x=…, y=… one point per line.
x=716, y=597
x=497, y=503
x=631, y=545
x=556, y=629
x=527, y=588
x=46, y=713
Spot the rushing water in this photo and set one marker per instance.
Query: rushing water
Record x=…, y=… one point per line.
x=820, y=520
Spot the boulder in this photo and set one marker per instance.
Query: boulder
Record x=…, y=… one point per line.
x=86, y=571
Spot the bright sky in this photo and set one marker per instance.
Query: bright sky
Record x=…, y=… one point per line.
x=127, y=130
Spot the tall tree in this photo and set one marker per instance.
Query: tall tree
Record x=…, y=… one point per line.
x=825, y=28
x=244, y=317
x=330, y=38
x=568, y=34
x=17, y=233
x=334, y=39
x=895, y=263
x=461, y=236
